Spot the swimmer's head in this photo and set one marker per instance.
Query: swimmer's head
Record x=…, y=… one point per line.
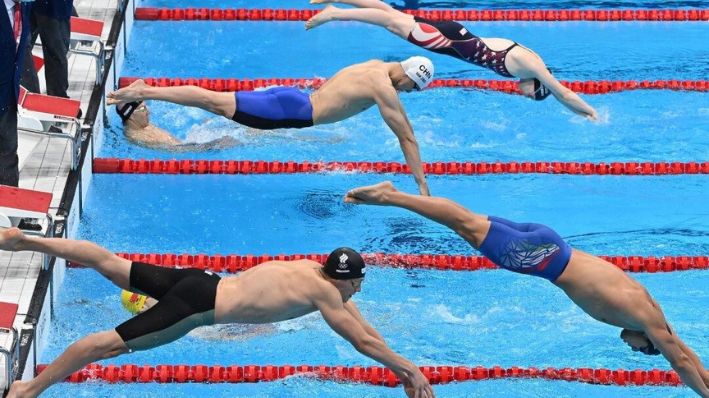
x=638, y=341
x=419, y=69
x=135, y=112
x=133, y=302
x=347, y=269
x=534, y=89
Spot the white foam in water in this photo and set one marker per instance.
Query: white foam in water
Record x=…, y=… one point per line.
x=292, y=325
x=495, y=126
x=214, y=128
x=430, y=138
x=445, y=314
x=604, y=117
x=233, y=331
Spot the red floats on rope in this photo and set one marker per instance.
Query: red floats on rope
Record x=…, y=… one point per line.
x=142, y=166
x=359, y=374
x=540, y=15
x=233, y=263
x=505, y=86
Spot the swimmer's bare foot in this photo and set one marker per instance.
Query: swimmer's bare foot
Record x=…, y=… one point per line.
x=20, y=389
x=371, y=195
x=321, y=1
x=9, y=238
x=320, y=18
x=134, y=92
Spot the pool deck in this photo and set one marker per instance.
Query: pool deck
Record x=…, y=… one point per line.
x=46, y=169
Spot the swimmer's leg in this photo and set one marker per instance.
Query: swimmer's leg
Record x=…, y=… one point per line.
x=223, y=104
x=395, y=21
x=376, y=4
x=114, y=268
x=470, y=226
x=92, y=348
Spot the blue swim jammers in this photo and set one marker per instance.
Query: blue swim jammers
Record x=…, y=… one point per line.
x=275, y=108
x=533, y=249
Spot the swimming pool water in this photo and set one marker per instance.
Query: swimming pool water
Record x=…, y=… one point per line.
x=432, y=317
x=620, y=50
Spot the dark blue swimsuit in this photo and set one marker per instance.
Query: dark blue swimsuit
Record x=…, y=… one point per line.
x=526, y=248
x=275, y=108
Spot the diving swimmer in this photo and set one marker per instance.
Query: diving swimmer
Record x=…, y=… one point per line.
x=503, y=56
x=188, y=298
x=598, y=287
x=352, y=90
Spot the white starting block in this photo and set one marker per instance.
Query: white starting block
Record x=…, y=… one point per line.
x=85, y=39
x=52, y=116
x=11, y=351
x=17, y=204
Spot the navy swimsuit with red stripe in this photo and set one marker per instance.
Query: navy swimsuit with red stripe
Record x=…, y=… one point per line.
x=452, y=38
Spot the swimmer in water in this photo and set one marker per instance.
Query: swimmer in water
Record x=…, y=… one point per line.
x=188, y=298
x=503, y=56
x=598, y=287
x=138, y=129
x=352, y=90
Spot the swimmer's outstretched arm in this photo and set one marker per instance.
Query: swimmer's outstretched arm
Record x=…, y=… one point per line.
x=687, y=365
x=703, y=372
x=393, y=114
x=344, y=324
x=470, y=226
x=354, y=311
x=568, y=98
x=223, y=104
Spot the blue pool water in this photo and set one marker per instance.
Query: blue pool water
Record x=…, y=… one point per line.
x=432, y=317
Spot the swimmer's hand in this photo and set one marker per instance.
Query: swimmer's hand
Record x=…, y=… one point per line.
x=134, y=92
x=416, y=386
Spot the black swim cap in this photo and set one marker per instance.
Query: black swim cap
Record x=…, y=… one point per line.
x=540, y=91
x=127, y=109
x=344, y=263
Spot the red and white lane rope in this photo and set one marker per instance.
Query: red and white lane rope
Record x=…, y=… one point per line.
x=233, y=263
x=536, y=15
x=143, y=166
x=359, y=374
x=590, y=87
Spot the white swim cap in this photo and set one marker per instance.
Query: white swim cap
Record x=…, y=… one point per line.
x=419, y=69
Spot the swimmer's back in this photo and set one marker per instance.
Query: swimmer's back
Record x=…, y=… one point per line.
x=270, y=292
x=349, y=92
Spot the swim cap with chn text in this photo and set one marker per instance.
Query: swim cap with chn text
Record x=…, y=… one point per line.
x=419, y=69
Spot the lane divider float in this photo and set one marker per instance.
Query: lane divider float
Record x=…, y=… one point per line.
x=535, y=15
x=360, y=374
x=233, y=263
x=186, y=166
x=590, y=87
